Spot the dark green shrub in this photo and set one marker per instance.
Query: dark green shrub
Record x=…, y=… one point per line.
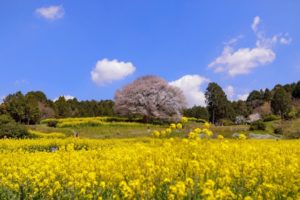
x=278, y=130
x=257, y=125
x=52, y=123
x=271, y=117
x=226, y=122
x=10, y=129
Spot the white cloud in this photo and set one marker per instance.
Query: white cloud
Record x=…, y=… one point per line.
x=244, y=60
x=229, y=90
x=190, y=85
x=243, y=96
x=255, y=23
x=51, y=12
x=107, y=71
x=67, y=97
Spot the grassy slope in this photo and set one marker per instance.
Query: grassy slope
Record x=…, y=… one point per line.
x=105, y=131
x=290, y=129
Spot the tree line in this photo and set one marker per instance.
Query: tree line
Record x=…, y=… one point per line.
x=34, y=106
x=282, y=100
x=152, y=97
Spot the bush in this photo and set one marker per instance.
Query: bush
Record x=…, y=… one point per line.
x=257, y=125
x=292, y=114
x=278, y=130
x=10, y=129
x=271, y=117
x=226, y=122
x=52, y=123
x=198, y=120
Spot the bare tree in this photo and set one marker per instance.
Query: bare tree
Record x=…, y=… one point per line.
x=150, y=97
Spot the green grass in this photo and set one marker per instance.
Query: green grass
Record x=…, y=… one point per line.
x=291, y=129
x=103, y=131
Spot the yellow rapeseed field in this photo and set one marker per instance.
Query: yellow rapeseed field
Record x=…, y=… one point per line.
x=90, y=121
x=149, y=168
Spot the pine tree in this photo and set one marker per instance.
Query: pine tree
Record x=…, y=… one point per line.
x=281, y=103
x=217, y=103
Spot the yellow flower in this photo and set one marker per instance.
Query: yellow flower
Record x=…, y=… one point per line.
x=173, y=126
x=220, y=137
x=207, y=132
x=179, y=126
x=155, y=133
x=184, y=120
x=197, y=130
x=168, y=130
x=206, y=125
x=163, y=133
x=242, y=136
x=193, y=135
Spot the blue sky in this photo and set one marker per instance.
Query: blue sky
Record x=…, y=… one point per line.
x=89, y=49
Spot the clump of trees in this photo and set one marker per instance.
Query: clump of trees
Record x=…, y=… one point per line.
x=10, y=129
x=150, y=97
x=282, y=101
x=35, y=106
x=198, y=112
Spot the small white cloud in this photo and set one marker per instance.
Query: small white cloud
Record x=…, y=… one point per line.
x=244, y=60
x=285, y=39
x=51, y=12
x=229, y=90
x=243, y=97
x=107, y=71
x=67, y=97
x=190, y=85
x=255, y=23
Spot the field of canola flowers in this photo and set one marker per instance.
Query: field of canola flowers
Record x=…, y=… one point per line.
x=91, y=121
x=149, y=168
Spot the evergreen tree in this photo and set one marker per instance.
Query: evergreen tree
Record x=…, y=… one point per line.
x=31, y=109
x=217, y=103
x=267, y=95
x=240, y=108
x=63, y=109
x=15, y=106
x=296, y=91
x=281, y=103
x=255, y=99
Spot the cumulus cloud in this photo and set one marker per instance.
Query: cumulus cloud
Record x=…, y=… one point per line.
x=190, y=85
x=107, y=71
x=67, y=97
x=51, y=12
x=243, y=97
x=244, y=60
x=229, y=90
